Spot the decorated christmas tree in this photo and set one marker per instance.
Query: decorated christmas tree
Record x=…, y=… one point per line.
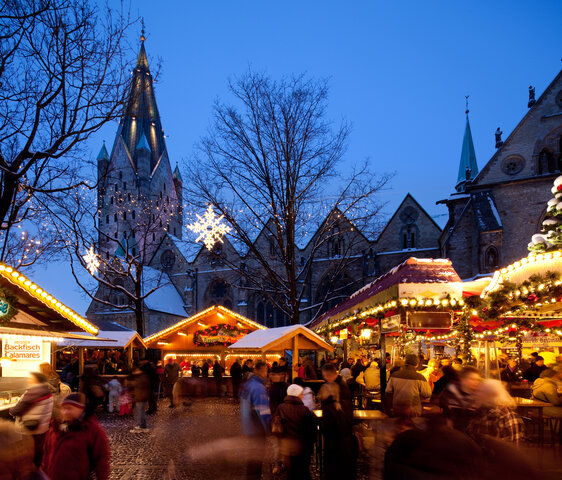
x=550, y=236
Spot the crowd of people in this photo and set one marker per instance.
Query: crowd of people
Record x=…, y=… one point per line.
x=470, y=414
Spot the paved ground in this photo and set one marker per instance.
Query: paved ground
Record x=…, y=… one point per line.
x=203, y=441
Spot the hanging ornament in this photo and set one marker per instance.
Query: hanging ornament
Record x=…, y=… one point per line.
x=209, y=228
x=92, y=261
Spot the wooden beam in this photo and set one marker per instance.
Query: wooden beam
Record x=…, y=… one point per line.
x=295, y=356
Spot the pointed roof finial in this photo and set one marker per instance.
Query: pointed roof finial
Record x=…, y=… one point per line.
x=466, y=100
x=142, y=30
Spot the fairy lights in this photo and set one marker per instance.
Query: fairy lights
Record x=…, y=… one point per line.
x=16, y=278
x=209, y=228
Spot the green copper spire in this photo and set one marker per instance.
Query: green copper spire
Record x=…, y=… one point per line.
x=177, y=173
x=122, y=248
x=103, y=155
x=468, y=168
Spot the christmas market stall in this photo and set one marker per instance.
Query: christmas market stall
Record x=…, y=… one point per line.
x=203, y=337
x=415, y=301
x=31, y=322
x=114, y=354
x=273, y=342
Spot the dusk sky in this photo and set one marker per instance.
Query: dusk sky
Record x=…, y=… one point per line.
x=399, y=72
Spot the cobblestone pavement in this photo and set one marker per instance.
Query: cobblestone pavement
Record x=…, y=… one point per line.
x=183, y=443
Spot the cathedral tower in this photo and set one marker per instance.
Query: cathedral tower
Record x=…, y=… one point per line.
x=138, y=194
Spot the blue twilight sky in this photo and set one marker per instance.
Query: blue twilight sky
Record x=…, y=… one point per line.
x=399, y=71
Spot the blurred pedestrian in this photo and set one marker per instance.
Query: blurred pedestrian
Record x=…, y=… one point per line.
x=357, y=367
x=277, y=393
x=495, y=413
x=16, y=454
x=256, y=417
x=217, y=375
x=307, y=395
x=150, y=370
x=407, y=388
x=76, y=446
x=33, y=412
x=91, y=385
x=53, y=378
x=171, y=376
x=330, y=374
x=299, y=429
x=457, y=400
x=336, y=427
x=114, y=389
x=433, y=372
x=205, y=369
x=236, y=377
x=141, y=396
x=545, y=389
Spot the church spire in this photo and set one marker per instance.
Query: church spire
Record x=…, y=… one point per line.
x=141, y=118
x=468, y=168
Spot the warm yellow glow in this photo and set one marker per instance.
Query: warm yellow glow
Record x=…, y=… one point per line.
x=366, y=333
x=334, y=339
x=182, y=334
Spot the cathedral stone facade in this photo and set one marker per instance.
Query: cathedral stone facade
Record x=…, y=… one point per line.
x=494, y=213
x=140, y=216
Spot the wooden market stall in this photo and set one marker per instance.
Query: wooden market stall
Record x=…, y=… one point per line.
x=119, y=345
x=205, y=335
x=419, y=295
x=276, y=340
x=31, y=322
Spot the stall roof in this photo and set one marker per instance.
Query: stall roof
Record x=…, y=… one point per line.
x=274, y=338
x=39, y=304
x=215, y=309
x=26, y=332
x=117, y=339
x=413, y=270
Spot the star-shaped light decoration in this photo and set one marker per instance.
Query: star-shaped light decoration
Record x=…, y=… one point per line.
x=209, y=228
x=92, y=261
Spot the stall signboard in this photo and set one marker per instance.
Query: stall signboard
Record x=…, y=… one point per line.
x=535, y=341
x=429, y=320
x=391, y=324
x=218, y=335
x=23, y=349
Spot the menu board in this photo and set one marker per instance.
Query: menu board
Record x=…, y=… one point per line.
x=23, y=349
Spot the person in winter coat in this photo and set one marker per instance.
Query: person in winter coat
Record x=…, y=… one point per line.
x=277, y=389
x=358, y=367
x=236, y=375
x=307, y=395
x=495, y=414
x=34, y=410
x=299, y=429
x=545, y=390
x=408, y=388
x=76, y=446
x=535, y=370
x=256, y=417
x=141, y=396
x=16, y=454
x=336, y=428
x=330, y=374
x=91, y=385
x=217, y=374
x=114, y=388
x=150, y=369
x=457, y=400
x=511, y=373
x=171, y=375
x=370, y=378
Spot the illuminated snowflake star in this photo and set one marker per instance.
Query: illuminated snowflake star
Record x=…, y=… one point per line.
x=92, y=261
x=209, y=228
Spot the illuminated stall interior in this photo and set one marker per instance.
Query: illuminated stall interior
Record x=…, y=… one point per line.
x=31, y=321
x=205, y=335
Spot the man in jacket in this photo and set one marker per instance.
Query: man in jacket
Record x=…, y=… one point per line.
x=236, y=375
x=33, y=412
x=370, y=378
x=511, y=373
x=76, y=446
x=407, y=388
x=141, y=396
x=330, y=374
x=256, y=417
x=535, y=370
x=171, y=375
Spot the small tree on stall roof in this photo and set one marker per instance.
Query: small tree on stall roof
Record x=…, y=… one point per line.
x=62, y=77
x=272, y=166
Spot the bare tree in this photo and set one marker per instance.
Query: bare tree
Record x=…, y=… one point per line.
x=118, y=263
x=62, y=77
x=272, y=164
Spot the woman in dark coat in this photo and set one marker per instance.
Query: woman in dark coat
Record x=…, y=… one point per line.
x=297, y=439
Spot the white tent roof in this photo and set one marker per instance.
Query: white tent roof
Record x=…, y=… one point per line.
x=118, y=339
x=261, y=339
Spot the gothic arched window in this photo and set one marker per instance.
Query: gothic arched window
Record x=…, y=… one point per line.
x=491, y=258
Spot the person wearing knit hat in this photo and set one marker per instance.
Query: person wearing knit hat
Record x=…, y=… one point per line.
x=298, y=433
x=76, y=445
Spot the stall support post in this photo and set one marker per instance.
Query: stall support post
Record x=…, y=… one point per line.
x=54, y=355
x=130, y=355
x=295, y=356
x=80, y=360
x=383, y=359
